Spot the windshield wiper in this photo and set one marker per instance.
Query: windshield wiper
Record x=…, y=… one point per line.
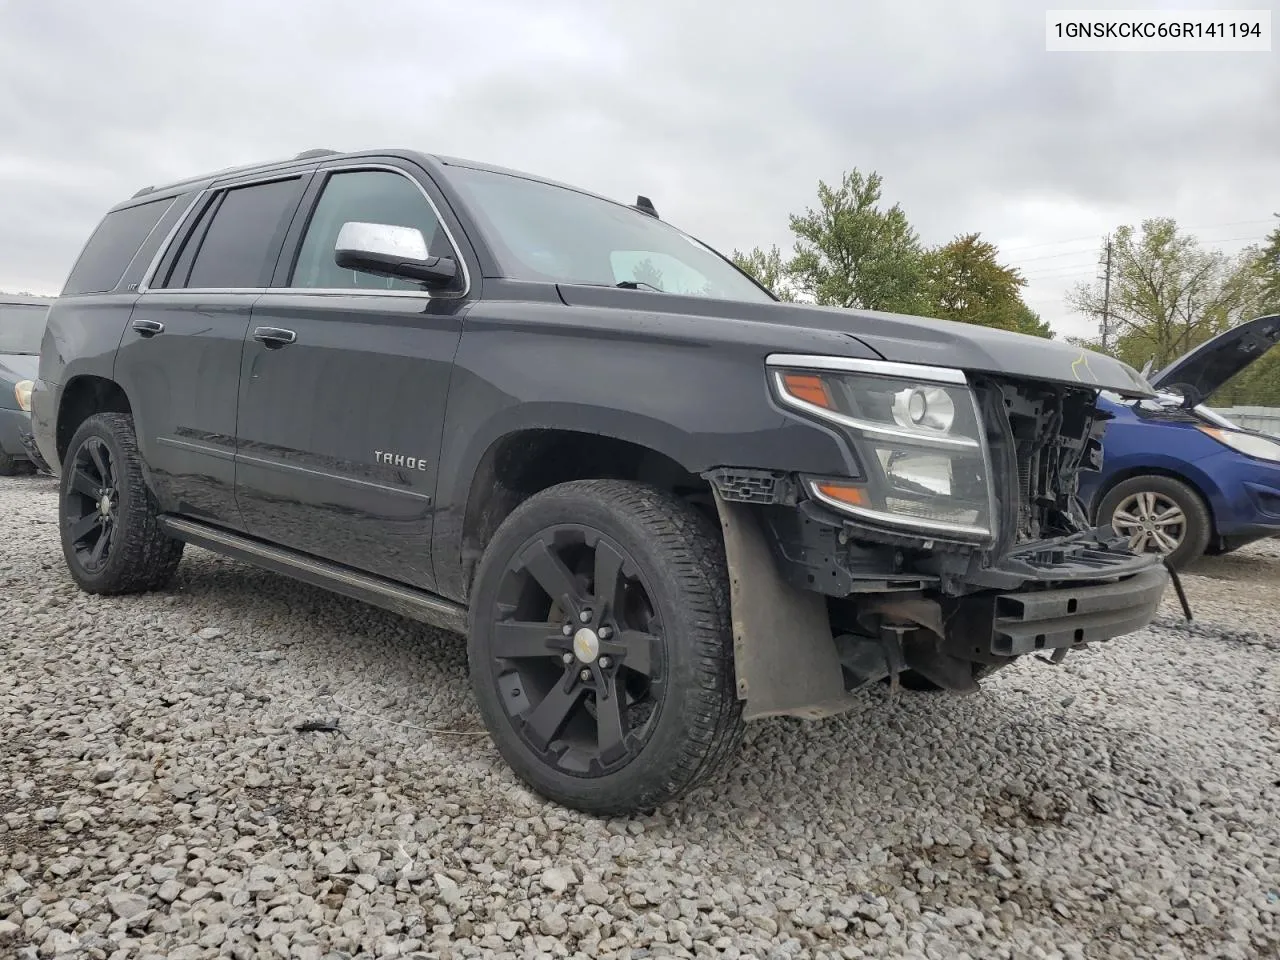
x=638, y=284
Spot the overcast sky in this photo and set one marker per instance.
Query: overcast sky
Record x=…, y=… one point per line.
x=725, y=113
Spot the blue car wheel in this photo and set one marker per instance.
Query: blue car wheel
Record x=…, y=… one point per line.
x=1158, y=514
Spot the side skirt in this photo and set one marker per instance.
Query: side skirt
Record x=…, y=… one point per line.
x=379, y=591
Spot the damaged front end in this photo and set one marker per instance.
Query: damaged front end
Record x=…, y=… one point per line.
x=957, y=547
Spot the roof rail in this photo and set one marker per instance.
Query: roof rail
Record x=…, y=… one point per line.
x=317, y=152
x=143, y=191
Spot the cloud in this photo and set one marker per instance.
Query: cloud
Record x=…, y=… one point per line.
x=726, y=115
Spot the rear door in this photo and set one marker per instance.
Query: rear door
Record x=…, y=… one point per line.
x=344, y=382
x=179, y=359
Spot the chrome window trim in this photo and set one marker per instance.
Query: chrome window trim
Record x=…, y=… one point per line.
x=870, y=428
x=164, y=213
x=145, y=286
x=885, y=368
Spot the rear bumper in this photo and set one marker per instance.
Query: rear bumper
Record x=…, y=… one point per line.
x=13, y=423
x=44, y=416
x=33, y=452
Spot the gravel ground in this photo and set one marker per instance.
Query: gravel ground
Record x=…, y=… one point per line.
x=156, y=800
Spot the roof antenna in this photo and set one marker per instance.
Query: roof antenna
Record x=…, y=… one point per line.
x=645, y=205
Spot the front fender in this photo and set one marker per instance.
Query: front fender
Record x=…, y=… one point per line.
x=677, y=386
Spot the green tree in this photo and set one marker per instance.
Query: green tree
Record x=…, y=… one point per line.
x=1025, y=320
x=1259, y=284
x=768, y=269
x=1267, y=267
x=965, y=281
x=1168, y=294
x=852, y=253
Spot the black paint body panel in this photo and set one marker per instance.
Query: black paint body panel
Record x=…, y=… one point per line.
x=283, y=443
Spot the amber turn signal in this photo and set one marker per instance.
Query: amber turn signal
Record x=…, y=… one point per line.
x=807, y=387
x=843, y=493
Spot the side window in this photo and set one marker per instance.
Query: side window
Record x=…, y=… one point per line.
x=181, y=267
x=239, y=247
x=368, y=196
x=112, y=247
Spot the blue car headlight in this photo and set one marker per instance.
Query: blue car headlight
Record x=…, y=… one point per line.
x=1250, y=444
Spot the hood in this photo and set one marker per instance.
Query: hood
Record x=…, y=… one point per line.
x=947, y=343
x=897, y=337
x=1197, y=374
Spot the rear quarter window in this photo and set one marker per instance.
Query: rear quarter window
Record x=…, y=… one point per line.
x=112, y=247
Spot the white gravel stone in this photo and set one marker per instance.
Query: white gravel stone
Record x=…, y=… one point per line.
x=156, y=802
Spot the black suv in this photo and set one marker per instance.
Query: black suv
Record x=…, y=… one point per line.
x=658, y=501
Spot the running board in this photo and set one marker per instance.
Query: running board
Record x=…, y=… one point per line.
x=379, y=591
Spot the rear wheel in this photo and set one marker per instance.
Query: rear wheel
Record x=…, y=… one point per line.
x=111, y=537
x=1158, y=514
x=601, y=649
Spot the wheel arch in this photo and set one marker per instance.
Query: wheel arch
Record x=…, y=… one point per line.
x=82, y=397
x=525, y=461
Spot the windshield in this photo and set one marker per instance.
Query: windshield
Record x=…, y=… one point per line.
x=540, y=231
x=22, y=327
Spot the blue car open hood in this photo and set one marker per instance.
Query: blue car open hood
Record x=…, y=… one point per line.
x=1199, y=372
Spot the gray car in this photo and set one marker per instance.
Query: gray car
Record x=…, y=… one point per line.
x=22, y=322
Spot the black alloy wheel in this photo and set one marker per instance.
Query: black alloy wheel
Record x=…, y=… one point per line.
x=112, y=538
x=92, y=504
x=601, y=646
x=578, y=651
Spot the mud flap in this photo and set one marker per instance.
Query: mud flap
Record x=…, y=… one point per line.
x=785, y=657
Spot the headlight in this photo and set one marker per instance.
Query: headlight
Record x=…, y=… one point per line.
x=1251, y=445
x=22, y=393
x=919, y=434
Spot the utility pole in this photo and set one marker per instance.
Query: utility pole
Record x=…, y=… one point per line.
x=1106, y=296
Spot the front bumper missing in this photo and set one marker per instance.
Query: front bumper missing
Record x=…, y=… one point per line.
x=788, y=662
x=1023, y=623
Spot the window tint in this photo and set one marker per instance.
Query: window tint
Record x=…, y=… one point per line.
x=180, y=269
x=22, y=327
x=239, y=248
x=541, y=231
x=112, y=247
x=367, y=196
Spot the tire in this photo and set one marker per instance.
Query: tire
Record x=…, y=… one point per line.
x=102, y=459
x=9, y=466
x=1146, y=503
x=664, y=561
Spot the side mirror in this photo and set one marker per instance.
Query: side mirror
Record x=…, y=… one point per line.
x=390, y=251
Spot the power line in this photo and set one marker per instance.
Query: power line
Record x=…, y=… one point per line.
x=1094, y=238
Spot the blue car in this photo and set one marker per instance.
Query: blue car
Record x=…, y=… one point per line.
x=1179, y=479
x=22, y=322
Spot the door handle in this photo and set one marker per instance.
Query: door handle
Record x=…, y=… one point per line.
x=148, y=328
x=274, y=337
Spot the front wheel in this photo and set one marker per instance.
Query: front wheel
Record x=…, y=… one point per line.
x=1158, y=514
x=601, y=647
x=111, y=537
